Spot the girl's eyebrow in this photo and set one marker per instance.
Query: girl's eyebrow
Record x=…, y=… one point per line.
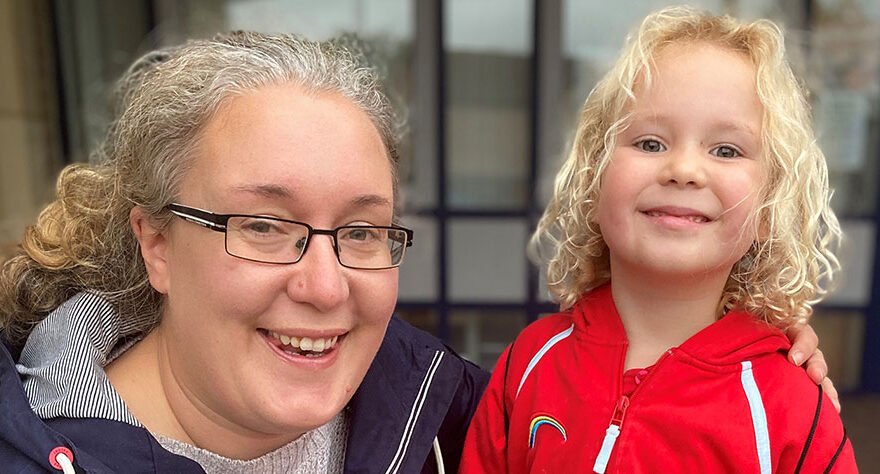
x=723, y=125
x=735, y=126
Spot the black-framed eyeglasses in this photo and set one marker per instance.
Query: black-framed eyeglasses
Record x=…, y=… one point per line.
x=273, y=240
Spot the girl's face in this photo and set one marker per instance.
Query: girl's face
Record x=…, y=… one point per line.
x=683, y=180
x=314, y=158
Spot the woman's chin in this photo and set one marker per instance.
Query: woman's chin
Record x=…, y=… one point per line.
x=305, y=413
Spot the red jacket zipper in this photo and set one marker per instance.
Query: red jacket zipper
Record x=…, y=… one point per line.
x=616, y=424
x=611, y=435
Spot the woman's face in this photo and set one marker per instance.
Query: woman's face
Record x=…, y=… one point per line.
x=314, y=158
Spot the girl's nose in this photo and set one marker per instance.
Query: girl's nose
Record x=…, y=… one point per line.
x=684, y=168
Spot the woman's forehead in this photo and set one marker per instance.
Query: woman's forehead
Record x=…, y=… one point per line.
x=279, y=141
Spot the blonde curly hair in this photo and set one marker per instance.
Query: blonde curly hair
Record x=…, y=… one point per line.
x=783, y=274
x=83, y=240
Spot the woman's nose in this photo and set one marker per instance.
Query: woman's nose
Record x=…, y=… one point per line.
x=684, y=168
x=318, y=279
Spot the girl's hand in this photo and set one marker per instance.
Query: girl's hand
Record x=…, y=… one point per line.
x=805, y=348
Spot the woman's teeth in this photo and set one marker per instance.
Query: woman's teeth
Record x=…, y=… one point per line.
x=297, y=344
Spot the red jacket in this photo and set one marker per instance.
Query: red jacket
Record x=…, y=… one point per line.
x=726, y=400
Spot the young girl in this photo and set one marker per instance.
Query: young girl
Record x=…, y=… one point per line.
x=691, y=224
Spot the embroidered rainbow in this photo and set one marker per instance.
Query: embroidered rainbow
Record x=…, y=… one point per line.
x=544, y=420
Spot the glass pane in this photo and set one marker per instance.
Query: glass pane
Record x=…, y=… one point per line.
x=482, y=335
x=97, y=41
x=844, y=76
x=487, y=260
x=418, y=274
x=29, y=117
x=842, y=337
x=390, y=19
x=857, y=255
x=424, y=319
x=488, y=49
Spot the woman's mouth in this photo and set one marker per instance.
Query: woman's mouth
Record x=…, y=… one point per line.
x=311, y=347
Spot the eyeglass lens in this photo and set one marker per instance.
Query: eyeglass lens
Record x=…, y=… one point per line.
x=274, y=241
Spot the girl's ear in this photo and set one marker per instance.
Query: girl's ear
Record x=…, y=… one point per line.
x=153, y=245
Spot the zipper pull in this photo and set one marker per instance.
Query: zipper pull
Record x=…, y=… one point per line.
x=611, y=435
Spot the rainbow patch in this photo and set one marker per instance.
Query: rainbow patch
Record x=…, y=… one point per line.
x=544, y=420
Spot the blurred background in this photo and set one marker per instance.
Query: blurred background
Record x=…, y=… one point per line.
x=490, y=90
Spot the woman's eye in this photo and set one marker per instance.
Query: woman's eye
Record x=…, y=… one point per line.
x=650, y=146
x=261, y=227
x=360, y=234
x=725, y=151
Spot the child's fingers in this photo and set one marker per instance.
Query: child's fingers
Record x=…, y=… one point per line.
x=816, y=367
x=804, y=346
x=828, y=387
x=817, y=370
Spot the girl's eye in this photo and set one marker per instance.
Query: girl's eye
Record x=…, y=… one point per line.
x=650, y=145
x=725, y=151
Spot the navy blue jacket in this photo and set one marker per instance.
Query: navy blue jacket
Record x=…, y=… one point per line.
x=415, y=390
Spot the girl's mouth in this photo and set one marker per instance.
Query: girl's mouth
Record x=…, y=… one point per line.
x=697, y=218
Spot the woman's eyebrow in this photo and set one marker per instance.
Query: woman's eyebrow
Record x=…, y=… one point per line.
x=371, y=200
x=265, y=190
x=278, y=191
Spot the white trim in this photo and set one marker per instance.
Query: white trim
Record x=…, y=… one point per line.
x=414, y=413
x=532, y=363
x=759, y=417
x=438, y=456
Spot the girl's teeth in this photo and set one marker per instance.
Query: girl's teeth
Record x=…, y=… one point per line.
x=284, y=339
x=697, y=219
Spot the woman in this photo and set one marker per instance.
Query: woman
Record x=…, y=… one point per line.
x=216, y=294
x=224, y=335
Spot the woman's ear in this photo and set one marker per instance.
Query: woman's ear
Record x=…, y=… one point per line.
x=153, y=246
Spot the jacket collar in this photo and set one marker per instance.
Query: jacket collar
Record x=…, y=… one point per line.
x=118, y=447
x=401, y=403
x=735, y=337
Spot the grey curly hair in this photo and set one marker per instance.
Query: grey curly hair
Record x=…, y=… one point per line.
x=83, y=240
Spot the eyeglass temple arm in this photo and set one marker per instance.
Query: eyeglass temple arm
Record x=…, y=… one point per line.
x=198, y=216
x=409, y=236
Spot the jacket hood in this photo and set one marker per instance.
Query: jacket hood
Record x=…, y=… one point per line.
x=98, y=445
x=735, y=337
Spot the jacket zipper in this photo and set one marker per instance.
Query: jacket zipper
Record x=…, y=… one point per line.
x=611, y=435
x=616, y=424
